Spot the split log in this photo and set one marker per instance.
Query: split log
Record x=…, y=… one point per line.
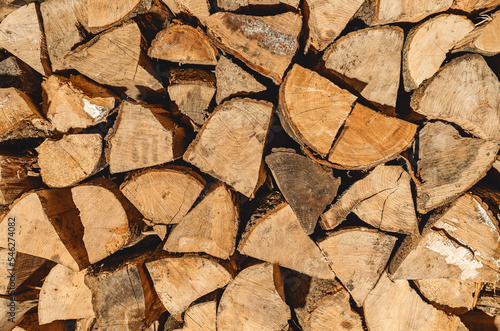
x=230, y=144
x=115, y=58
x=199, y=9
x=201, y=317
x=234, y=5
x=76, y=103
x=382, y=199
x=15, y=73
x=143, y=136
x=358, y=256
x=306, y=185
x=326, y=19
x=64, y=296
x=273, y=235
x=461, y=244
x=484, y=39
x=475, y=106
x=394, y=305
x=8, y=6
x=449, y=164
x=71, y=159
x=30, y=322
x=210, y=227
x=11, y=316
x=184, y=44
x=314, y=108
x=86, y=324
x=192, y=90
x=266, y=44
x=233, y=80
x=474, y=5
x=253, y=301
x=180, y=281
x=428, y=43
x=17, y=176
x=370, y=138
x=375, y=71
x=449, y=294
x=105, y=13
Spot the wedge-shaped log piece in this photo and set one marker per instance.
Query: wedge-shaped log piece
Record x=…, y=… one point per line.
x=461, y=244
x=210, y=227
x=114, y=58
x=231, y=143
x=64, y=296
x=143, y=136
x=448, y=293
x=252, y=301
x=266, y=44
x=382, y=199
x=314, y=108
x=372, y=70
x=394, y=305
x=180, y=281
x=15, y=73
x=306, y=185
x=474, y=5
x=358, y=256
x=71, y=159
x=449, y=164
x=184, y=44
x=484, y=39
x=163, y=195
x=9, y=318
x=16, y=177
x=199, y=9
x=370, y=138
x=104, y=13
x=274, y=234
x=201, y=317
x=233, y=80
x=428, y=43
x=232, y=5
x=76, y=103
x=475, y=105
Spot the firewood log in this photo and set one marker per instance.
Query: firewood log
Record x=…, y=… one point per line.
x=17, y=176
x=104, y=14
x=199, y=9
x=484, y=39
x=201, y=317
x=10, y=317
x=449, y=294
x=8, y=6
x=15, y=73
x=234, y=5
x=474, y=5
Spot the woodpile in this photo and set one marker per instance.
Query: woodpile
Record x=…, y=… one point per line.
x=249, y=165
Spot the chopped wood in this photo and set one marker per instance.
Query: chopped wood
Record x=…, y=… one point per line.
x=382, y=199
x=201, y=317
x=199, y=9
x=252, y=301
x=234, y=5
x=314, y=119
x=143, y=136
x=475, y=106
x=8, y=6
x=17, y=74
x=448, y=293
x=71, y=159
x=105, y=13
x=16, y=177
x=484, y=39
x=306, y=185
x=230, y=144
x=428, y=43
x=266, y=44
x=180, y=281
x=474, y=5
x=210, y=227
x=233, y=80
x=449, y=164
x=86, y=324
x=30, y=322
x=358, y=256
x=9, y=318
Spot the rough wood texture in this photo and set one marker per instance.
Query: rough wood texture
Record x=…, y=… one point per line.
x=8, y=6
x=448, y=293
x=105, y=13
x=233, y=5
x=230, y=144
x=358, y=256
x=252, y=301
x=20, y=309
x=232, y=80
x=210, y=227
x=266, y=44
x=184, y=44
x=484, y=39
x=314, y=108
x=382, y=199
x=306, y=185
x=143, y=136
x=201, y=317
x=449, y=164
x=428, y=43
x=474, y=5
x=15, y=73
x=475, y=106
x=71, y=159
x=373, y=71
x=16, y=177
x=369, y=138
x=180, y=281
x=199, y=9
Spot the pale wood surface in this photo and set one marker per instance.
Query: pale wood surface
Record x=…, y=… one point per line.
x=201, y=317
x=27, y=267
x=484, y=39
x=104, y=13
x=232, y=5
x=195, y=8
x=473, y=5
x=449, y=293
x=21, y=308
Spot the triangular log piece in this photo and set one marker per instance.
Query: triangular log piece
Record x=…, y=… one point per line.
x=17, y=177
x=199, y=9
x=106, y=13
x=484, y=39
x=448, y=294
x=230, y=144
x=314, y=108
x=382, y=199
x=17, y=74
x=475, y=105
x=201, y=317
x=210, y=227
x=252, y=301
x=474, y=5
x=306, y=185
x=266, y=44
x=358, y=256
x=449, y=164
x=428, y=43
x=11, y=317
x=375, y=70
x=143, y=136
x=180, y=281
x=233, y=5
